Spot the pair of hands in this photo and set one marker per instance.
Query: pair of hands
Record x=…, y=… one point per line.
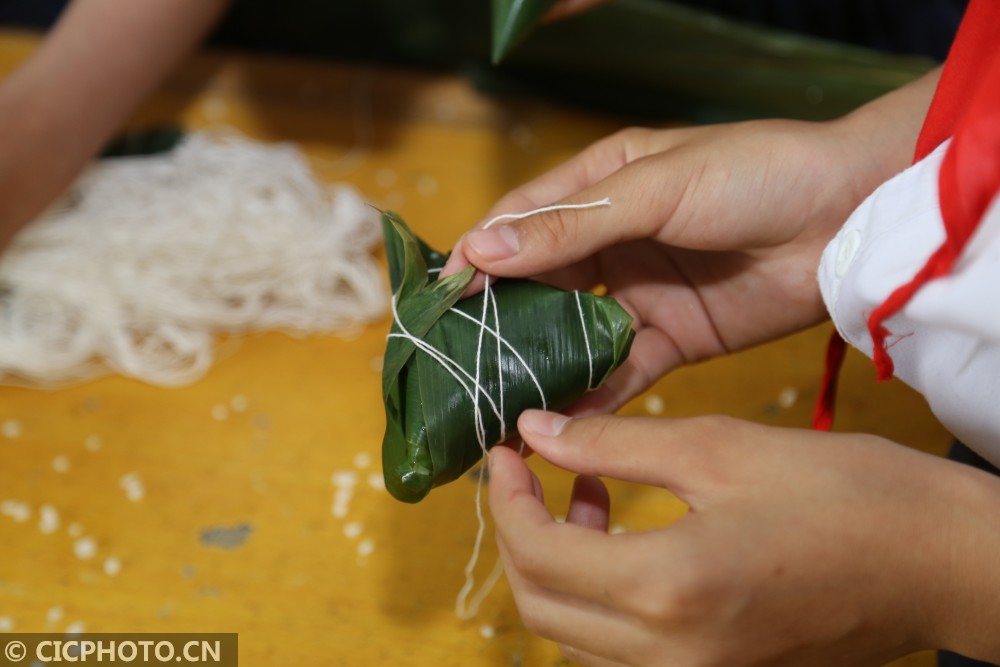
x=800, y=548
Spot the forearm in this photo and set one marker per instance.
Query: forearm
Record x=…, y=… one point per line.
x=60, y=107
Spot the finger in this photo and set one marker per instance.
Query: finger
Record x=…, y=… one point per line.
x=570, y=562
x=642, y=202
x=590, y=166
x=590, y=504
x=518, y=445
x=520, y=478
x=586, y=168
x=511, y=478
x=580, y=627
x=687, y=456
x=536, y=487
x=563, y=558
x=573, y=175
x=456, y=261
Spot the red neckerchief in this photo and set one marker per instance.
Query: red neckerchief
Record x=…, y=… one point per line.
x=966, y=107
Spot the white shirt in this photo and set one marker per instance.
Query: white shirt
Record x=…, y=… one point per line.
x=945, y=342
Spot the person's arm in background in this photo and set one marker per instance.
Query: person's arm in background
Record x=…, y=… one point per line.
x=93, y=69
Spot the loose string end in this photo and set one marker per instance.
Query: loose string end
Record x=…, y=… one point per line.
x=545, y=209
x=466, y=608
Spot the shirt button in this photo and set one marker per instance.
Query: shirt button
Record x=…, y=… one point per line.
x=848, y=250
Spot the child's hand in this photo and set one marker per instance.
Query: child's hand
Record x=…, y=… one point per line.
x=711, y=241
x=800, y=548
x=713, y=235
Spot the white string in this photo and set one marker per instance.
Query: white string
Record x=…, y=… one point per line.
x=446, y=362
x=545, y=209
x=480, y=426
x=466, y=608
x=513, y=350
x=463, y=610
x=586, y=340
x=496, y=320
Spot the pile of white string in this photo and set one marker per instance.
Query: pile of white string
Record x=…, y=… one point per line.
x=148, y=258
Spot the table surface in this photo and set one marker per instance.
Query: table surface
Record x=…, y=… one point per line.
x=127, y=507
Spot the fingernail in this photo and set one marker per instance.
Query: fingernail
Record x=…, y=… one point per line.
x=548, y=424
x=497, y=243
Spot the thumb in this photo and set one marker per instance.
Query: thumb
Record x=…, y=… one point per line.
x=627, y=205
x=500, y=238
x=535, y=242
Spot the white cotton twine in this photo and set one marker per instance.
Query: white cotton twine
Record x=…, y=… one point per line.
x=148, y=257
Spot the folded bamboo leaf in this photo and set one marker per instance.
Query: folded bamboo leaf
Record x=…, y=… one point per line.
x=540, y=347
x=513, y=20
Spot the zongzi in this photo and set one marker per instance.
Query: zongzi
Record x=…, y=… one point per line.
x=457, y=373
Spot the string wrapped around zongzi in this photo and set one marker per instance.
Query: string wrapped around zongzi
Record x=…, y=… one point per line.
x=457, y=373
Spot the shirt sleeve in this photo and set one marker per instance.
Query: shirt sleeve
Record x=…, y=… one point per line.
x=945, y=342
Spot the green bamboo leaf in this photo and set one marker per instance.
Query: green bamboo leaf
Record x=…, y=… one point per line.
x=419, y=301
x=541, y=347
x=512, y=21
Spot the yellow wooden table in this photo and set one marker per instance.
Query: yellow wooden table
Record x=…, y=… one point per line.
x=215, y=507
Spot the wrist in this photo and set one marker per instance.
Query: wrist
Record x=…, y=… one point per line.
x=966, y=602
x=882, y=135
